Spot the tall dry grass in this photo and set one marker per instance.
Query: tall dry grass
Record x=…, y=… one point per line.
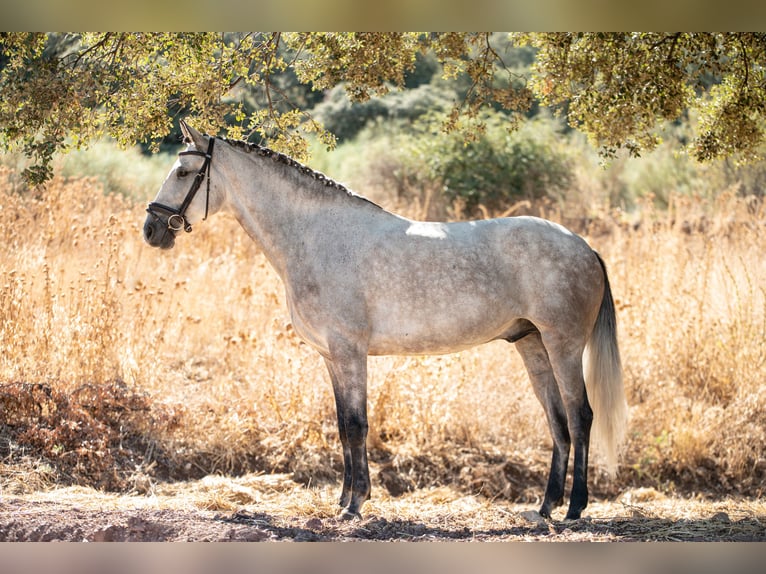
x=121, y=365
x=692, y=299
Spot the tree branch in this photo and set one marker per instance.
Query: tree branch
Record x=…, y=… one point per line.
x=746, y=63
x=101, y=43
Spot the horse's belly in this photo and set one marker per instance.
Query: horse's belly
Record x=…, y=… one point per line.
x=433, y=332
x=419, y=346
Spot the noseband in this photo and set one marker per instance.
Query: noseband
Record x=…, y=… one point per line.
x=177, y=217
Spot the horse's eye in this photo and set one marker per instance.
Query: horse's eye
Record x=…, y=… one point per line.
x=181, y=172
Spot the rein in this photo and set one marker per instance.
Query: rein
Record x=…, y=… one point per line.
x=177, y=216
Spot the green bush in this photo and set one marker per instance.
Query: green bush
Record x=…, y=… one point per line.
x=496, y=168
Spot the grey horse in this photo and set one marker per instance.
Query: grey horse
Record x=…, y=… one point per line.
x=363, y=281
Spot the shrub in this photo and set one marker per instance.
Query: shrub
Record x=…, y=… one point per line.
x=495, y=168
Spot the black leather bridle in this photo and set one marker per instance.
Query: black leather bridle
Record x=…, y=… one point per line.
x=177, y=216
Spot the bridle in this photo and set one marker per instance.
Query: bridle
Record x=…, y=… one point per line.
x=177, y=217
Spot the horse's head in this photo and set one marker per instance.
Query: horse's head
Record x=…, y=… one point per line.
x=178, y=205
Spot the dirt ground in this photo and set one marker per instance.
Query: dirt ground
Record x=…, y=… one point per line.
x=258, y=508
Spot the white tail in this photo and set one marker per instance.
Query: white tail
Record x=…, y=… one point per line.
x=602, y=369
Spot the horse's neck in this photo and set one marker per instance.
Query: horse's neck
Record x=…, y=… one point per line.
x=282, y=214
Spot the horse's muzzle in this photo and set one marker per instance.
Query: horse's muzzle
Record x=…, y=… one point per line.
x=157, y=233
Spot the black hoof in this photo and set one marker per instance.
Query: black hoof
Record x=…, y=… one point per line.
x=573, y=515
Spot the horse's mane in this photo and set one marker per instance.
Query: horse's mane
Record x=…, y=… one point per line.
x=286, y=160
x=263, y=151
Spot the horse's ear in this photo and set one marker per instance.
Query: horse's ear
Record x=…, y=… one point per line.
x=185, y=131
x=192, y=136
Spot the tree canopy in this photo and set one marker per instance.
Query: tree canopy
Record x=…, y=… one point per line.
x=61, y=91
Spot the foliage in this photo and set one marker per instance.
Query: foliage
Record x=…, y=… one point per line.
x=367, y=63
x=89, y=434
x=619, y=86
x=346, y=119
x=494, y=170
x=429, y=87
x=403, y=164
x=62, y=91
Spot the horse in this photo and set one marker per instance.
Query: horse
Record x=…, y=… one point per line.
x=361, y=281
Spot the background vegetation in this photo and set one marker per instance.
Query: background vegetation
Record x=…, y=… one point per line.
x=64, y=91
x=122, y=367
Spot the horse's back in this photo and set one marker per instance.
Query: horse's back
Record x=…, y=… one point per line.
x=446, y=286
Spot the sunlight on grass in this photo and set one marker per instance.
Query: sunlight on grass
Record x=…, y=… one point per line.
x=123, y=366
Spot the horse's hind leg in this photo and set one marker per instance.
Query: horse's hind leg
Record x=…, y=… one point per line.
x=544, y=384
x=565, y=354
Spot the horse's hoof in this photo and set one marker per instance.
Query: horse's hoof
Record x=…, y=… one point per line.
x=347, y=514
x=534, y=517
x=573, y=515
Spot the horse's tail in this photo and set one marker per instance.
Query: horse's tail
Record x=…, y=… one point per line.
x=603, y=380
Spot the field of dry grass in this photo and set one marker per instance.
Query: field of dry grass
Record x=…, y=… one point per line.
x=128, y=369
x=273, y=507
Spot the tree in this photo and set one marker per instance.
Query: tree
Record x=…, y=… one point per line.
x=618, y=86
x=63, y=90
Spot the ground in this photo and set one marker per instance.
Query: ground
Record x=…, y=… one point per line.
x=274, y=508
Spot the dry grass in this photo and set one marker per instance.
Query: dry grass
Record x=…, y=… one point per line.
x=691, y=303
x=122, y=366
x=273, y=507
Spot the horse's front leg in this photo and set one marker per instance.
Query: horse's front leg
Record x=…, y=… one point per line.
x=348, y=371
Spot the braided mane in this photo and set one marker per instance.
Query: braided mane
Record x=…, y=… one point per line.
x=288, y=161
x=304, y=170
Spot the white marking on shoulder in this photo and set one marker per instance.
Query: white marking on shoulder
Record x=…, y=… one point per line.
x=427, y=229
